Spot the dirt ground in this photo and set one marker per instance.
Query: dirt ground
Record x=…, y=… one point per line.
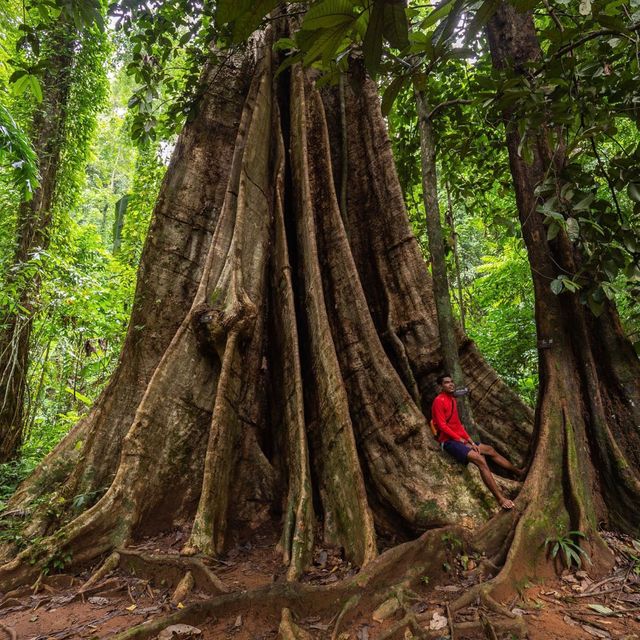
x=569, y=607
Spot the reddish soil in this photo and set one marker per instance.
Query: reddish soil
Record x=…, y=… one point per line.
x=571, y=607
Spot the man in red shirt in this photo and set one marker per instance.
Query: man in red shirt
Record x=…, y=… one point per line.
x=457, y=443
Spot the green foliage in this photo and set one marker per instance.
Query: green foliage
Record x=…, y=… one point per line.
x=17, y=152
x=568, y=546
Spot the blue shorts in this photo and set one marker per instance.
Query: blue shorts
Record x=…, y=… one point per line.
x=457, y=450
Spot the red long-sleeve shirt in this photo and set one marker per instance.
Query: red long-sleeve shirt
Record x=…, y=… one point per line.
x=444, y=413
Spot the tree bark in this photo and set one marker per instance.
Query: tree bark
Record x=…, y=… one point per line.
x=396, y=283
x=255, y=379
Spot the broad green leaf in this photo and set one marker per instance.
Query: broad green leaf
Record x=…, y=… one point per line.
x=36, y=89
x=633, y=190
x=553, y=230
x=327, y=14
x=79, y=396
x=391, y=93
x=396, y=29
x=372, y=45
x=557, y=286
x=445, y=29
x=325, y=44
x=244, y=16
x=437, y=14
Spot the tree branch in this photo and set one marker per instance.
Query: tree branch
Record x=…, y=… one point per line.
x=446, y=103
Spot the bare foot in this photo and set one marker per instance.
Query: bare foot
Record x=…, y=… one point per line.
x=505, y=503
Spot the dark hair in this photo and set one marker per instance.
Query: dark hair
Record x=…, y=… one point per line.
x=439, y=379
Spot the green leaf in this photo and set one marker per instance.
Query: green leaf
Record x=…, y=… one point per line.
x=437, y=14
x=244, y=16
x=327, y=14
x=396, y=29
x=372, y=44
x=633, y=190
x=391, y=93
x=557, y=286
x=325, y=43
x=553, y=230
x=79, y=396
x=445, y=29
x=36, y=89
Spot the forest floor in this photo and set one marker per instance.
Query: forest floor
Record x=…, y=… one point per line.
x=569, y=607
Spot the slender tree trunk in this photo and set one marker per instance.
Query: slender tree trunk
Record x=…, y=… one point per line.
x=33, y=225
x=456, y=255
x=446, y=322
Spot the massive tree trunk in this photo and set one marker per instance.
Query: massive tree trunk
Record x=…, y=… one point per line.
x=584, y=469
x=279, y=360
x=33, y=225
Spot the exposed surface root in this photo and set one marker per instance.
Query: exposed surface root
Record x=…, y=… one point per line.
x=407, y=563
x=289, y=630
x=109, y=565
x=184, y=588
x=11, y=634
x=171, y=569
x=481, y=593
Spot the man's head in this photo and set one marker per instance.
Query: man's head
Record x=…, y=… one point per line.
x=447, y=383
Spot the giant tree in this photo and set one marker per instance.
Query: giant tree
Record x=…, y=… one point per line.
x=280, y=358
x=272, y=365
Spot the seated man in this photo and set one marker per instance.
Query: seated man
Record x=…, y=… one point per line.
x=457, y=443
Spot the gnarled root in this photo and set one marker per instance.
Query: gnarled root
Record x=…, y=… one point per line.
x=171, y=569
x=289, y=630
x=109, y=565
x=400, y=566
x=11, y=634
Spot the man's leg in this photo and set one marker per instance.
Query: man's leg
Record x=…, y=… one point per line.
x=501, y=461
x=487, y=477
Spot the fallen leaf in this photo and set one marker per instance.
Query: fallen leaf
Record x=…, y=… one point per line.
x=132, y=607
x=600, y=608
x=438, y=622
x=419, y=607
x=180, y=605
x=363, y=633
x=182, y=631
